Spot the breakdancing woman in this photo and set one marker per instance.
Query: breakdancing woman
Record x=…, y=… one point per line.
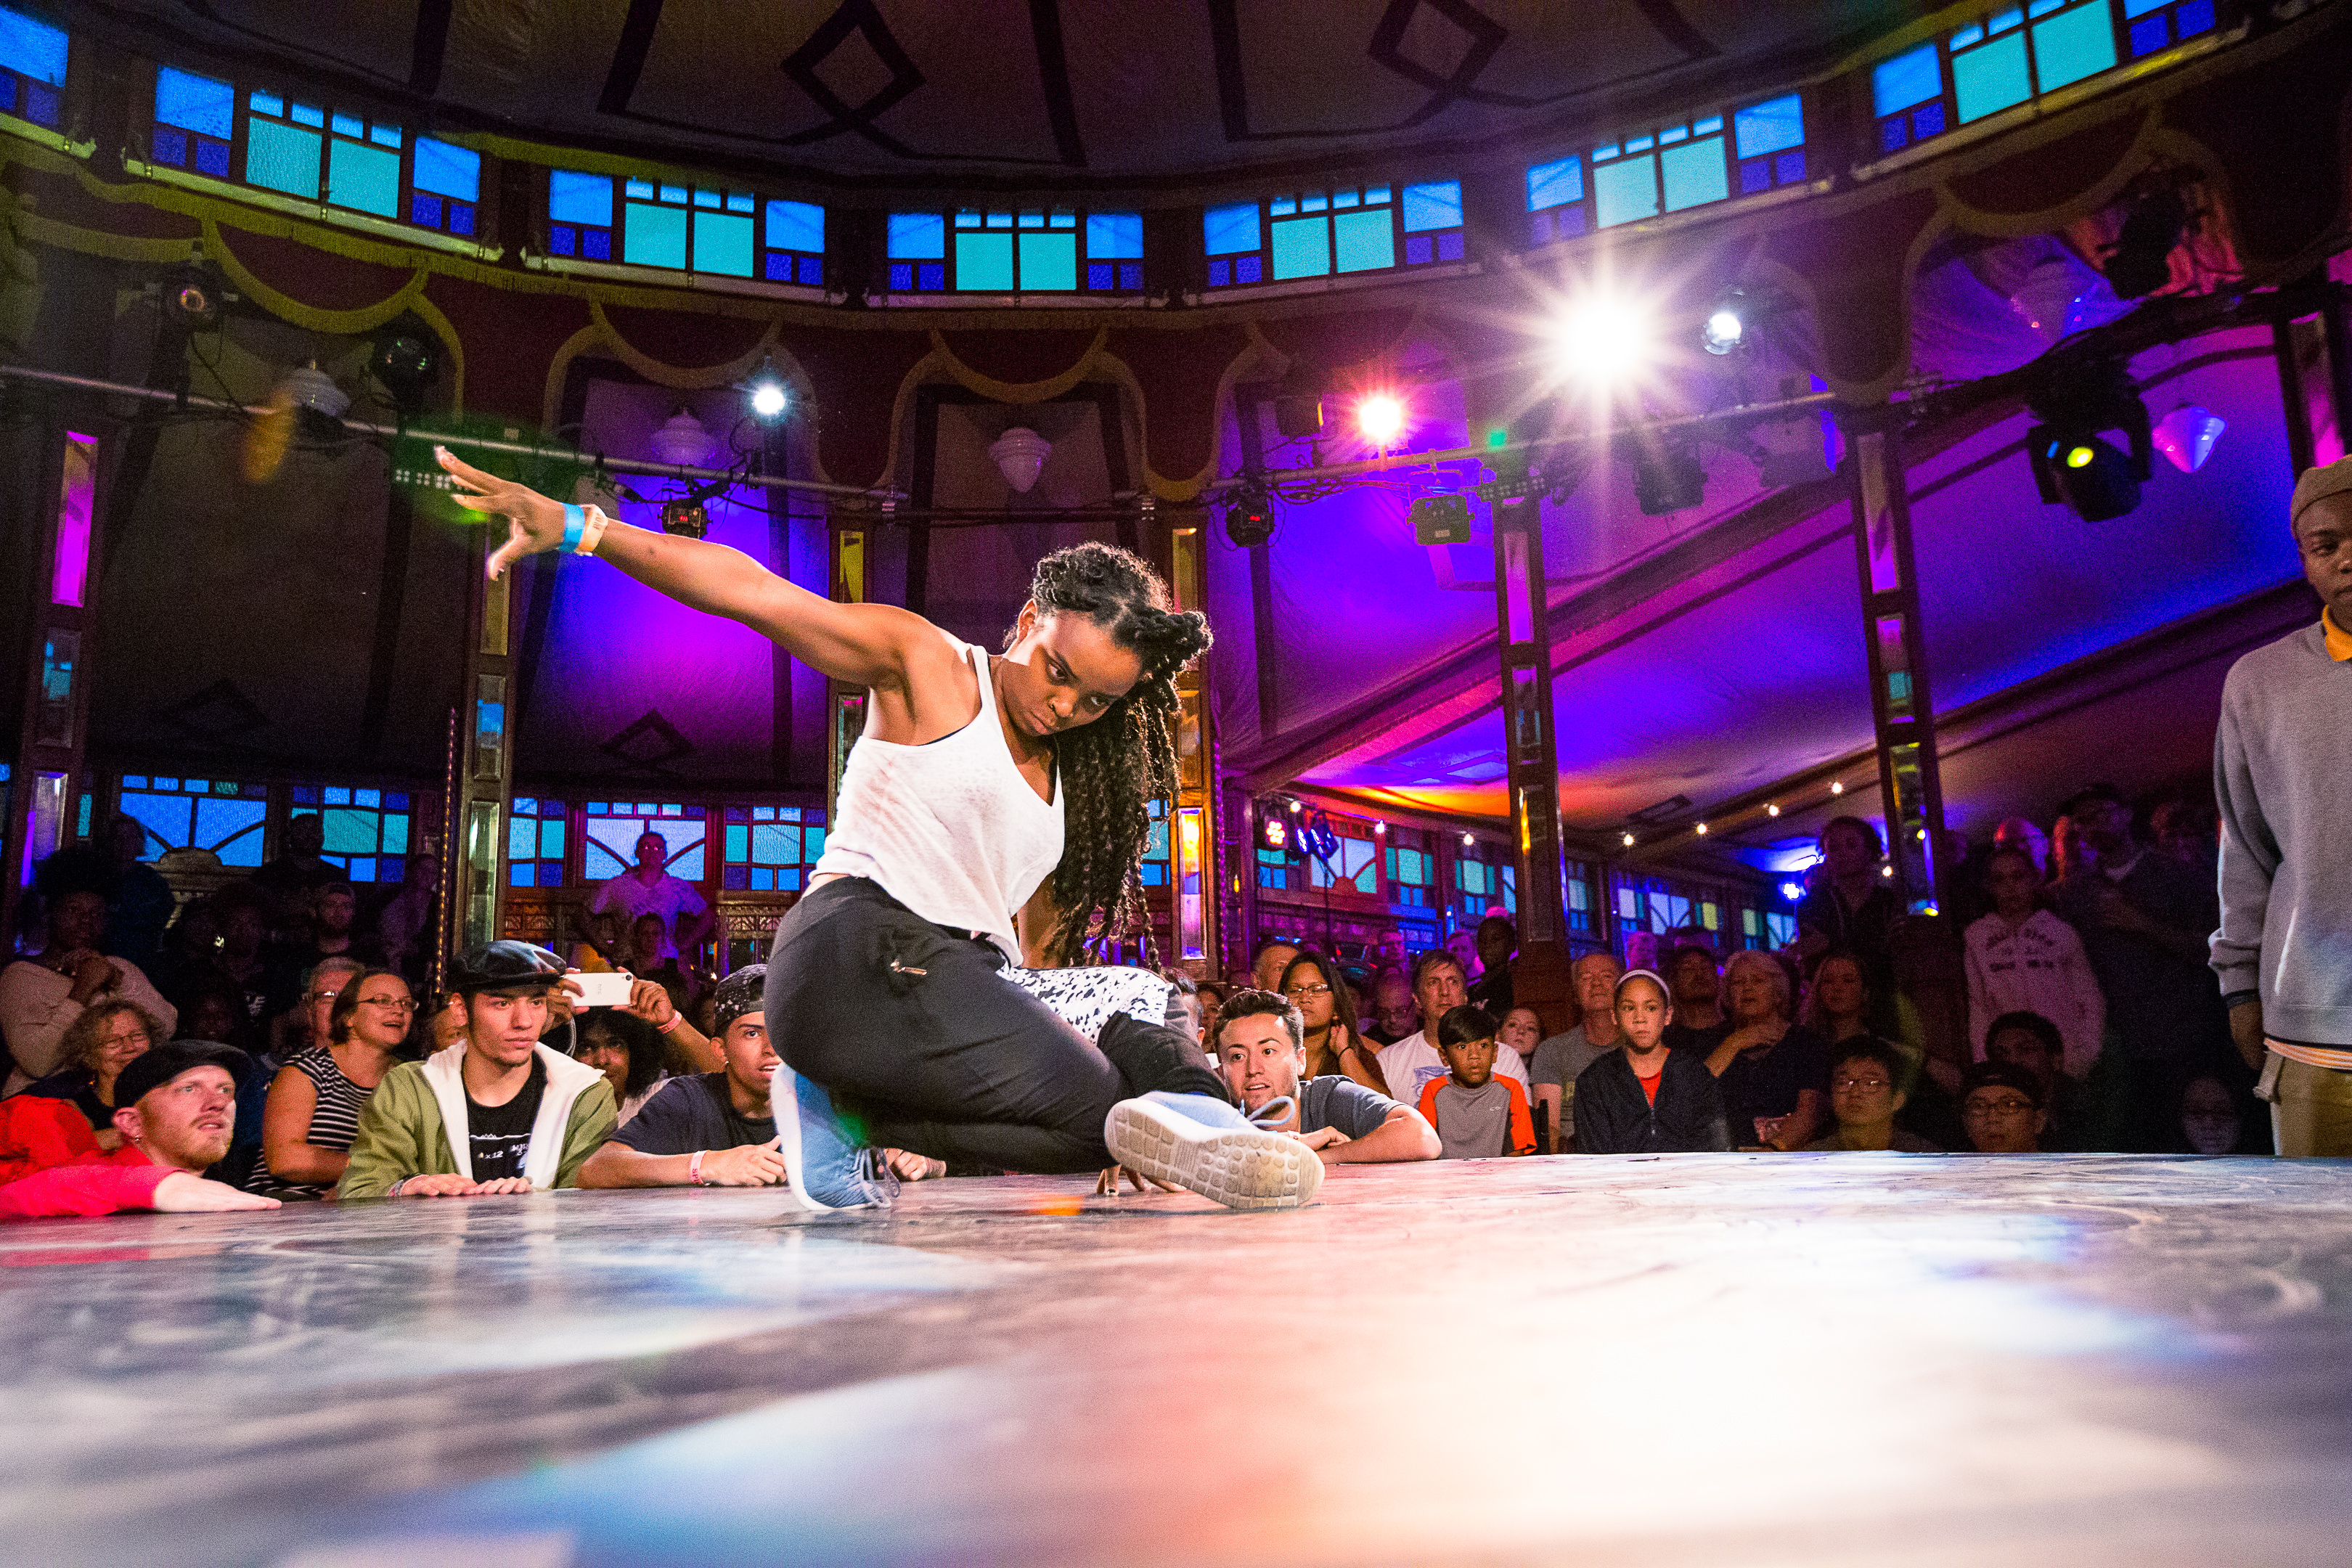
x=895, y=995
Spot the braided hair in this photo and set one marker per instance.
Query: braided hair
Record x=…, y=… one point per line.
x=1111, y=768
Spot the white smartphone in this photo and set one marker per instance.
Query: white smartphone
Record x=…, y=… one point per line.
x=603, y=990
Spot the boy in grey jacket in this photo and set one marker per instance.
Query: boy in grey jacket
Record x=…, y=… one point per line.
x=2283, y=776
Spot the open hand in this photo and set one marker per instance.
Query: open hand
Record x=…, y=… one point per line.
x=534, y=524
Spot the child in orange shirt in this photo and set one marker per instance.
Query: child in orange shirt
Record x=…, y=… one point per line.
x=1478, y=1115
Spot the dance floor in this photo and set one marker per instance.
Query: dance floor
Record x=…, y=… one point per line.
x=1696, y=1360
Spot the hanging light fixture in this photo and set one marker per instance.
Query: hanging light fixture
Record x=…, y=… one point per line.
x=1020, y=455
x=682, y=440
x=2187, y=435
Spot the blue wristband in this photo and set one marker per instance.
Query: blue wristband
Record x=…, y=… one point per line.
x=575, y=523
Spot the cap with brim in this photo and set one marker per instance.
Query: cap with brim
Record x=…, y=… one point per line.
x=2002, y=1075
x=2318, y=484
x=507, y=966
x=739, y=993
x=152, y=1070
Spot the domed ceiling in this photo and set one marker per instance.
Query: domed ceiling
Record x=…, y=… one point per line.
x=1084, y=95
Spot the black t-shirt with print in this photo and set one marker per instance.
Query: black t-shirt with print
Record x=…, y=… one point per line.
x=499, y=1135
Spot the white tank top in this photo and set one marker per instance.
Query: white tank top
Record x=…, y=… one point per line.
x=950, y=829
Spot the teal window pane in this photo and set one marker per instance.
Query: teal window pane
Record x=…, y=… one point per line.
x=1155, y=842
x=1896, y=84
x=918, y=236
x=1048, y=260
x=1694, y=174
x=984, y=262
x=1302, y=248
x=350, y=830
x=1116, y=236
x=1773, y=127
x=1624, y=192
x=578, y=198
x=1433, y=205
x=813, y=844
x=1230, y=229
x=739, y=843
x=722, y=244
x=34, y=48
x=797, y=225
x=282, y=158
x=1364, y=241
x=1555, y=183
x=550, y=838
x=522, y=838
x=2074, y=44
x=395, y=833
x=775, y=844
x=364, y=177
x=195, y=102
x=456, y=172
x=1990, y=78
x=655, y=236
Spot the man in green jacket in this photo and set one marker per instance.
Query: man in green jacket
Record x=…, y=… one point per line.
x=498, y=1112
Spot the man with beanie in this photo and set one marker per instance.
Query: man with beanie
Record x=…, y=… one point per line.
x=495, y=1113
x=177, y=1114
x=2280, y=763
x=706, y=1129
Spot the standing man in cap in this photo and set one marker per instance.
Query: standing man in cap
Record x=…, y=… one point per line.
x=2282, y=764
x=178, y=1113
x=495, y=1113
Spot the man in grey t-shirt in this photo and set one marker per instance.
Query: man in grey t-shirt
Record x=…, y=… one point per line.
x=1559, y=1059
x=1262, y=1050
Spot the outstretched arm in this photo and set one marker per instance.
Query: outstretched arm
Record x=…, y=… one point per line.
x=865, y=644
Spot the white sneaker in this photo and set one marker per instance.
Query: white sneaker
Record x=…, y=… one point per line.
x=1206, y=1146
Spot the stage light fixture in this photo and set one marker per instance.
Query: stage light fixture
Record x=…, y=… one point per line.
x=2072, y=460
x=2185, y=436
x=406, y=363
x=767, y=395
x=1441, y=519
x=685, y=515
x=1726, y=324
x=1793, y=891
x=1667, y=477
x=1627, y=839
x=2140, y=262
x=1701, y=830
x=192, y=298
x=1249, y=515
x=1771, y=810
x=1380, y=829
x=1469, y=841
x=1380, y=417
x=1837, y=786
x=1601, y=340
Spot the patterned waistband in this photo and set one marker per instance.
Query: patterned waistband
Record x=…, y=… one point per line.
x=2328, y=1056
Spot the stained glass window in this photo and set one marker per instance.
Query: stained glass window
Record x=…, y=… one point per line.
x=1413, y=876
x=709, y=230
x=2151, y=25
x=366, y=830
x=1357, y=862
x=1334, y=233
x=770, y=849
x=535, y=835
x=32, y=69
x=223, y=816
x=1016, y=251
x=1556, y=205
x=1154, y=871
x=610, y=834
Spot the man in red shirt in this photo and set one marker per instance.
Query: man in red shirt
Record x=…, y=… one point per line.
x=178, y=1113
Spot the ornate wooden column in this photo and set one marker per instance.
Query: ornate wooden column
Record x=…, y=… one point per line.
x=847, y=708
x=486, y=767
x=1901, y=708
x=1541, y=974
x=1193, y=840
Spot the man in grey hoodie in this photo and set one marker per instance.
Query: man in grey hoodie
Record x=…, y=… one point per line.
x=2283, y=776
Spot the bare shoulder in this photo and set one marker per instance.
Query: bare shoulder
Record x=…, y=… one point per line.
x=941, y=691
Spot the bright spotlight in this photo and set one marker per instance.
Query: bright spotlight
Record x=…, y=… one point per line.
x=1726, y=324
x=768, y=395
x=1380, y=417
x=1603, y=340
x=1793, y=891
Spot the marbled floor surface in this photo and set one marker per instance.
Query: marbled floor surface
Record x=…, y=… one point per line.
x=1698, y=1360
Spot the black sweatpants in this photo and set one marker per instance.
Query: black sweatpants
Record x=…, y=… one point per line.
x=915, y=1029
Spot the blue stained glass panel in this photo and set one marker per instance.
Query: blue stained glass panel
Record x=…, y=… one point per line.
x=1624, y=192
x=797, y=225
x=574, y=197
x=654, y=235
x=350, y=125
x=268, y=103
x=1990, y=78
x=364, y=177
x=1115, y=236
x=282, y=158
x=308, y=114
x=195, y=102
x=349, y=831
x=1555, y=183
x=1098, y=275
x=2074, y=44
x=2141, y=7
x=1438, y=204
x=212, y=157
x=2193, y=17
x=2149, y=37
x=426, y=210
x=169, y=146
x=722, y=243
x=1364, y=241
x=1907, y=79
x=1049, y=260
x=34, y=48
x=231, y=829
x=1773, y=127
x=1302, y=248
x=984, y=262
x=1694, y=174
x=523, y=838
x=916, y=237
x=1228, y=229
x=386, y=136
x=451, y=171
x=776, y=844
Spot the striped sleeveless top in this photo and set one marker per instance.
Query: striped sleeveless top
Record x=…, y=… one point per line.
x=334, y=1120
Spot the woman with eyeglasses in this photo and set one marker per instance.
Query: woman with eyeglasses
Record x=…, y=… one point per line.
x=315, y=1102
x=1320, y=994
x=70, y=1113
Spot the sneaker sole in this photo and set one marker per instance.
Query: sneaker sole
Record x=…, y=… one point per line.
x=784, y=1102
x=1239, y=1170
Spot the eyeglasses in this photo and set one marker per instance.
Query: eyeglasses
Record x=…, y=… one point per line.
x=135, y=1037
x=1301, y=992
x=1997, y=1108
x=1861, y=1083
x=395, y=1004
